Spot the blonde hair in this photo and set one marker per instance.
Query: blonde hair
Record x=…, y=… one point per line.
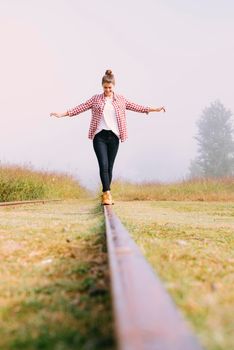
x=108, y=77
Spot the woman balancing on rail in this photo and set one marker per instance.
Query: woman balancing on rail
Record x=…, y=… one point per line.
x=107, y=127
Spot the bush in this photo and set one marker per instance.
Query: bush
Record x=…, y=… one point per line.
x=24, y=183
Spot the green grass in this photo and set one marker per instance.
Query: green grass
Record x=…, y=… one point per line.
x=196, y=190
x=24, y=183
x=191, y=246
x=54, y=283
x=54, y=280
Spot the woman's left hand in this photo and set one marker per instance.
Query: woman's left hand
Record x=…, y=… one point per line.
x=158, y=109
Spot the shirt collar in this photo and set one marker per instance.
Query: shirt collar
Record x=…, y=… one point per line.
x=114, y=96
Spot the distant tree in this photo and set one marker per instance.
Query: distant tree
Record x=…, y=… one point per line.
x=215, y=143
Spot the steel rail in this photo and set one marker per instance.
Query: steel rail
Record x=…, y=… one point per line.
x=146, y=318
x=5, y=204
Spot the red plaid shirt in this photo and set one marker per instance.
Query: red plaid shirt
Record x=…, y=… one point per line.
x=97, y=103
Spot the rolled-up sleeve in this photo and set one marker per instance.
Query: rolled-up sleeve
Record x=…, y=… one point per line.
x=80, y=108
x=136, y=108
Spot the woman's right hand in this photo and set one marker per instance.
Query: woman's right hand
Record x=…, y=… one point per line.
x=57, y=115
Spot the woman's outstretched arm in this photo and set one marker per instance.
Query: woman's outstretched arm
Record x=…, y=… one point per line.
x=59, y=115
x=142, y=109
x=76, y=110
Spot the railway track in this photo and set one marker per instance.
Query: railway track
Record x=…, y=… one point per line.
x=145, y=316
x=6, y=204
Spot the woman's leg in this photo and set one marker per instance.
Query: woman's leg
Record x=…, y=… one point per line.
x=113, y=146
x=100, y=148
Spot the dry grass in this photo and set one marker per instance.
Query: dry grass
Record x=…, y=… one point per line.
x=195, y=190
x=54, y=283
x=191, y=246
x=24, y=183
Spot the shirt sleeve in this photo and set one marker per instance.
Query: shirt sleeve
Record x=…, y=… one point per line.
x=81, y=108
x=136, y=108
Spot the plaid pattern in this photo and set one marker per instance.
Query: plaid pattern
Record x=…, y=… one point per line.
x=97, y=103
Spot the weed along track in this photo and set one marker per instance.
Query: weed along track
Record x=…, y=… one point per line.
x=145, y=316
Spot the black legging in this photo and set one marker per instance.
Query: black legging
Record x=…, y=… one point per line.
x=106, y=145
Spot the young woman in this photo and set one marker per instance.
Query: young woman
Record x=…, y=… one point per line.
x=107, y=127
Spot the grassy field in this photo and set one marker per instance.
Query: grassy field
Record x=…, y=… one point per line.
x=54, y=282
x=193, y=190
x=24, y=183
x=191, y=246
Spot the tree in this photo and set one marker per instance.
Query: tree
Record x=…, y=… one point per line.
x=215, y=143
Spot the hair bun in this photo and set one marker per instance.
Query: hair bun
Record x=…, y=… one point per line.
x=108, y=72
x=108, y=77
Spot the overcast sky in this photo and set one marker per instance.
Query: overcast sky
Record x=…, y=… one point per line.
x=177, y=53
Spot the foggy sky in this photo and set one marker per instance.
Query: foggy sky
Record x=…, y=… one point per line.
x=177, y=53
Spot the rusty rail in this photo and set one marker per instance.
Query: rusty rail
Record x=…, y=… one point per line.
x=145, y=316
x=5, y=204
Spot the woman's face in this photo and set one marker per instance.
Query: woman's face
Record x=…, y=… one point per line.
x=108, y=89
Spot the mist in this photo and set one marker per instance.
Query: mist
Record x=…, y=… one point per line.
x=54, y=53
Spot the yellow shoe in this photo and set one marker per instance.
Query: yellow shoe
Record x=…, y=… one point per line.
x=107, y=198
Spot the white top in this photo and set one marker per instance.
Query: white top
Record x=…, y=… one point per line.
x=108, y=120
